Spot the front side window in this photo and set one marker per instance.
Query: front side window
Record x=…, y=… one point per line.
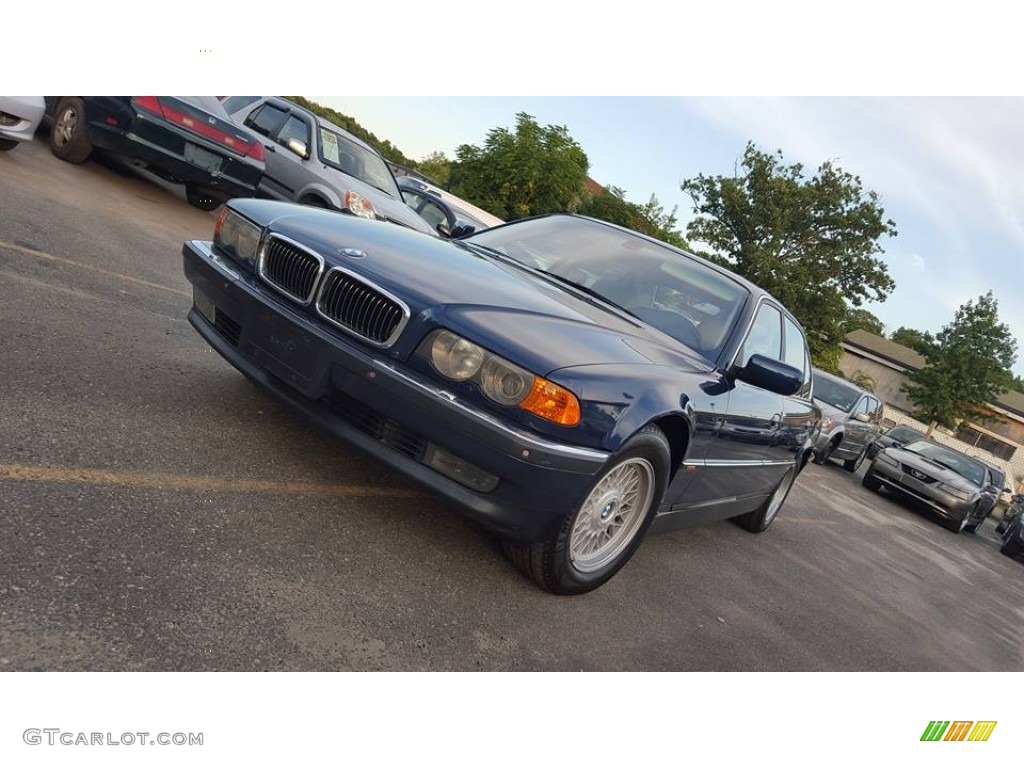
x=294, y=128
x=765, y=337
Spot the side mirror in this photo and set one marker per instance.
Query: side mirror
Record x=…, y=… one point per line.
x=462, y=230
x=443, y=230
x=773, y=375
x=298, y=147
x=990, y=489
x=863, y=418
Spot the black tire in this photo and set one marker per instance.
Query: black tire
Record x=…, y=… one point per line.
x=1011, y=545
x=871, y=482
x=958, y=524
x=826, y=453
x=759, y=520
x=1000, y=527
x=852, y=465
x=69, y=135
x=551, y=565
x=201, y=199
x=6, y=145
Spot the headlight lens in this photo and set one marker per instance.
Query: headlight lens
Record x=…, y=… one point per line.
x=358, y=205
x=454, y=357
x=503, y=382
x=459, y=359
x=954, y=491
x=827, y=424
x=236, y=235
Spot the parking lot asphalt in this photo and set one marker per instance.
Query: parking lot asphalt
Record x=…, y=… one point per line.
x=158, y=512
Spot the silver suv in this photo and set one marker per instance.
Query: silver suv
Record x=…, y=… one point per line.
x=314, y=162
x=851, y=419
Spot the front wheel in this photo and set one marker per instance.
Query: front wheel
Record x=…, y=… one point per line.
x=1011, y=544
x=852, y=465
x=201, y=199
x=69, y=139
x=604, y=531
x=6, y=145
x=871, y=482
x=826, y=452
x=759, y=520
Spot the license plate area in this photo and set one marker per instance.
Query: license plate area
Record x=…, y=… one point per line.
x=288, y=353
x=202, y=158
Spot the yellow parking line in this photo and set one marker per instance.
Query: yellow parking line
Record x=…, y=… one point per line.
x=62, y=260
x=163, y=481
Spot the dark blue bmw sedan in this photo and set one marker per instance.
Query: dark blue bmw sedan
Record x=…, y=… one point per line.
x=569, y=383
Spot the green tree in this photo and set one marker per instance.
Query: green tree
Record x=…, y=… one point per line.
x=921, y=342
x=650, y=218
x=967, y=367
x=811, y=242
x=860, y=319
x=532, y=170
x=437, y=168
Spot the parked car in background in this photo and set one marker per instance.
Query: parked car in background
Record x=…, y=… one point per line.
x=313, y=162
x=186, y=140
x=569, y=383
x=896, y=436
x=447, y=218
x=851, y=419
x=1013, y=534
x=19, y=118
x=1015, y=510
x=958, y=487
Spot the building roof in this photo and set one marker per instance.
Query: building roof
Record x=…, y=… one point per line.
x=594, y=187
x=889, y=350
x=904, y=356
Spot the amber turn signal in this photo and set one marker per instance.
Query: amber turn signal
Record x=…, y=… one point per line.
x=552, y=402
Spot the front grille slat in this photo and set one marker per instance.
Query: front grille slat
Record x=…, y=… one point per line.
x=361, y=308
x=290, y=268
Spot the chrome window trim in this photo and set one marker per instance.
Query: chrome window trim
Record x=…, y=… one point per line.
x=395, y=334
x=261, y=262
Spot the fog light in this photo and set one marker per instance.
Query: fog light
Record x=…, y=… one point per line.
x=458, y=470
x=204, y=304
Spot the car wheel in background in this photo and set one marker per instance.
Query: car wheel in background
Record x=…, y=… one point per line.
x=201, y=199
x=852, y=465
x=7, y=145
x=826, y=452
x=69, y=138
x=1011, y=544
x=603, y=532
x=870, y=481
x=759, y=520
x=977, y=519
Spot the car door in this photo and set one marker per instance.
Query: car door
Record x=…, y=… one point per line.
x=294, y=148
x=738, y=467
x=855, y=437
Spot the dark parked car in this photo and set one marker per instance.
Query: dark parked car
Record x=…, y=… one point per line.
x=446, y=217
x=314, y=162
x=567, y=382
x=947, y=481
x=1012, y=512
x=1013, y=532
x=186, y=140
x=897, y=437
x=851, y=419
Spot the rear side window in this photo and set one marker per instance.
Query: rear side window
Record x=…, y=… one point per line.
x=765, y=337
x=266, y=120
x=795, y=354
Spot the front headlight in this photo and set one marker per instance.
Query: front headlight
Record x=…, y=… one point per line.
x=827, y=424
x=358, y=205
x=885, y=458
x=236, y=236
x=506, y=384
x=952, y=490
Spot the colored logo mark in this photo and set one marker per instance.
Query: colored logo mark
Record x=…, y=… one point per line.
x=958, y=730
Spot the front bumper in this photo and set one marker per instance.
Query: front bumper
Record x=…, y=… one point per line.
x=314, y=370
x=25, y=111
x=947, y=505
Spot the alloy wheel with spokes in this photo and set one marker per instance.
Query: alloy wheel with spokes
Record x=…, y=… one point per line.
x=611, y=515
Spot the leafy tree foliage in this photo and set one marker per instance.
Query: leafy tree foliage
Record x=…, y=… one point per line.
x=532, y=170
x=811, y=242
x=921, y=342
x=436, y=167
x=650, y=219
x=860, y=319
x=968, y=366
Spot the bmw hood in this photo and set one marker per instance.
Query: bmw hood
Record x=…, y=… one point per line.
x=508, y=309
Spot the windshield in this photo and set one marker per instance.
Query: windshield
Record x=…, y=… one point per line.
x=674, y=293
x=355, y=160
x=947, y=457
x=835, y=393
x=905, y=434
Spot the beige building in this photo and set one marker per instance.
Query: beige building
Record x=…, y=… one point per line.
x=889, y=366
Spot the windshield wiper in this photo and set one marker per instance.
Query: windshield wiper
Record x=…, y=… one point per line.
x=585, y=289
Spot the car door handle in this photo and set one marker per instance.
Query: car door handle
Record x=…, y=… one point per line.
x=270, y=147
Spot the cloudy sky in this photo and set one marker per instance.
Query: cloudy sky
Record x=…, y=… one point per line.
x=949, y=171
